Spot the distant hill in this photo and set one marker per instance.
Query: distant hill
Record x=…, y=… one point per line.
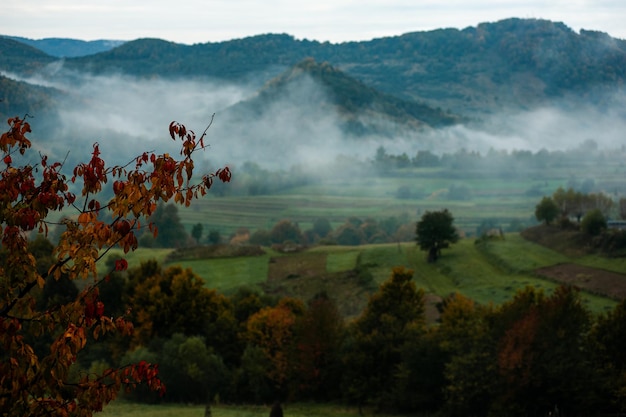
x=18, y=57
x=19, y=98
x=66, y=48
x=512, y=63
x=362, y=109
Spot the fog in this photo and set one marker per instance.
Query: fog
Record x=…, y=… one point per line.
x=127, y=116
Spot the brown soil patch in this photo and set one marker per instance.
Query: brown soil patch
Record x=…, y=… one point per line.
x=296, y=266
x=597, y=281
x=342, y=287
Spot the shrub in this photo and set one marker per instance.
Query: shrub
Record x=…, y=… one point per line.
x=593, y=223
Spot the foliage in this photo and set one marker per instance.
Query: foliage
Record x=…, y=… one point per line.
x=196, y=232
x=348, y=234
x=322, y=227
x=214, y=237
x=271, y=329
x=542, y=359
x=319, y=333
x=191, y=371
x=393, y=316
x=547, y=210
x=607, y=346
x=172, y=233
x=169, y=301
x=40, y=382
x=435, y=232
x=285, y=231
x=593, y=223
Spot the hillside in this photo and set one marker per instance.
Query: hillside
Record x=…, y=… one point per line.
x=513, y=62
x=362, y=109
x=64, y=47
x=17, y=57
x=19, y=98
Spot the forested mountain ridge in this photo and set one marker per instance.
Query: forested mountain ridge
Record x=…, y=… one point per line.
x=516, y=63
x=362, y=109
x=17, y=57
x=65, y=47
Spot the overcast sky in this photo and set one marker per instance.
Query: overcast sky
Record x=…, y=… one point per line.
x=199, y=21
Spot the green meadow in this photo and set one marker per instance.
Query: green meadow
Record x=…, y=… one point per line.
x=121, y=408
x=488, y=273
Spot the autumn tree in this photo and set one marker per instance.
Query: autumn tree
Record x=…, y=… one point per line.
x=271, y=330
x=542, y=358
x=319, y=333
x=31, y=188
x=286, y=231
x=464, y=339
x=435, y=231
x=167, y=301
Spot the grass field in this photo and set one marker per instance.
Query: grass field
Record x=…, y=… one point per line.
x=488, y=273
x=126, y=409
x=373, y=196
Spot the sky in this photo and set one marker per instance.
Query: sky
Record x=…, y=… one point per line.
x=200, y=21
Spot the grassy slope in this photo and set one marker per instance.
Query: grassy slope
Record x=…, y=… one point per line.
x=490, y=273
x=124, y=409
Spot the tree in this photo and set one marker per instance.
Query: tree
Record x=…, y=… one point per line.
x=172, y=233
x=608, y=344
x=196, y=231
x=272, y=330
x=322, y=227
x=214, y=237
x=374, y=349
x=164, y=302
x=38, y=383
x=435, y=232
x=547, y=210
x=542, y=358
x=593, y=223
x=319, y=333
x=284, y=231
x=348, y=234
x=622, y=208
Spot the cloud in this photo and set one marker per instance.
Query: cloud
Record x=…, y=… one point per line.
x=128, y=116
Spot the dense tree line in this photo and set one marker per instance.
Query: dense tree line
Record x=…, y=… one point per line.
x=352, y=232
x=532, y=355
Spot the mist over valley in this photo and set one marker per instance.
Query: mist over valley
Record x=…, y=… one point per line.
x=325, y=113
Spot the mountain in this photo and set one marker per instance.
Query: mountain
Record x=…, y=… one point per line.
x=362, y=110
x=512, y=63
x=18, y=98
x=66, y=48
x=17, y=57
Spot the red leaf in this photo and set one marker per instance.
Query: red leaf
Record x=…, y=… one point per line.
x=121, y=265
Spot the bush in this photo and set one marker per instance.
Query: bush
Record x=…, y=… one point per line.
x=261, y=237
x=593, y=223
